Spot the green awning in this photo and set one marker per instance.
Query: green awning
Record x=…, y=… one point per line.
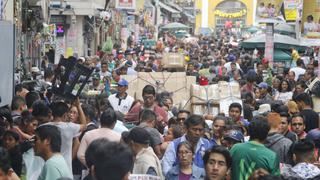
x=280, y=55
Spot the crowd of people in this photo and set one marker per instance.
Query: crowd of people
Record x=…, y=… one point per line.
x=108, y=135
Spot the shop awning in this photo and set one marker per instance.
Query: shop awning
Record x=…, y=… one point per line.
x=168, y=8
x=280, y=55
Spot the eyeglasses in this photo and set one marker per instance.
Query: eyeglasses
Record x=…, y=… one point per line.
x=297, y=124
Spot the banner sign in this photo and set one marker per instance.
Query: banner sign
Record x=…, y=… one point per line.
x=291, y=10
x=126, y=4
x=269, y=46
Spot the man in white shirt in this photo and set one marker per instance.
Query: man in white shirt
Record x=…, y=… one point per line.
x=299, y=70
x=121, y=101
x=68, y=130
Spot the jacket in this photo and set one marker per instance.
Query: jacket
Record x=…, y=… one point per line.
x=280, y=145
x=146, y=159
x=197, y=173
x=170, y=158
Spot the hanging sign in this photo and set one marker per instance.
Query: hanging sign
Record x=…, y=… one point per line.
x=230, y=15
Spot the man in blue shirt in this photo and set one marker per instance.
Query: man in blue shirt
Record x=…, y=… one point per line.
x=194, y=134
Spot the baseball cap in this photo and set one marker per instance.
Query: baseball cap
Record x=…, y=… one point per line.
x=95, y=76
x=123, y=82
x=139, y=135
x=235, y=135
x=128, y=63
x=263, y=85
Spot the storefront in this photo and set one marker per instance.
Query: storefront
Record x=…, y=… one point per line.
x=216, y=13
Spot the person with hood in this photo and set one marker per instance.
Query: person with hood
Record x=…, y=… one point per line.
x=303, y=156
x=276, y=141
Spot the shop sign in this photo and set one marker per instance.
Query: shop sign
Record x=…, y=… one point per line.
x=222, y=14
x=291, y=9
x=126, y=4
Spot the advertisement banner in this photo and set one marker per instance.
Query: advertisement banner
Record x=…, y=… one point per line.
x=270, y=10
x=269, y=47
x=126, y=4
x=291, y=10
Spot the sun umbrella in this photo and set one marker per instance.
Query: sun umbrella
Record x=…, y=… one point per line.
x=174, y=25
x=280, y=42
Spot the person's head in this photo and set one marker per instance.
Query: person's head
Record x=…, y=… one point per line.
x=284, y=86
x=292, y=107
x=233, y=66
x=218, y=125
x=182, y=116
x=108, y=118
x=60, y=110
x=298, y=124
x=300, y=87
x=47, y=140
x=276, y=83
x=285, y=122
x=262, y=4
x=291, y=76
x=303, y=100
x=104, y=66
x=235, y=111
x=148, y=95
x=263, y=86
x=10, y=140
x=138, y=138
x=259, y=68
x=185, y=153
x=217, y=163
x=89, y=112
x=28, y=123
x=109, y=159
x=18, y=104
x=41, y=111
x=232, y=137
x=274, y=120
x=310, y=18
x=31, y=97
x=194, y=128
x=96, y=79
x=122, y=86
x=258, y=128
x=48, y=75
x=174, y=132
x=6, y=170
x=21, y=90
x=308, y=75
x=303, y=151
x=300, y=63
x=148, y=116
x=73, y=114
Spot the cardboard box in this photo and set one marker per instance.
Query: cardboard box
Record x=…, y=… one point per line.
x=176, y=83
x=173, y=60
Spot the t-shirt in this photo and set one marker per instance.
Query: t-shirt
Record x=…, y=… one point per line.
x=250, y=156
x=121, y=104
x=311, y=118
x=68, y=131
x=55, y=168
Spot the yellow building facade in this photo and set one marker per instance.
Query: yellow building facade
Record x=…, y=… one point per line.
x=214, y=13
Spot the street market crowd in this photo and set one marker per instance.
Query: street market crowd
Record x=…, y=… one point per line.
x=106, y=134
